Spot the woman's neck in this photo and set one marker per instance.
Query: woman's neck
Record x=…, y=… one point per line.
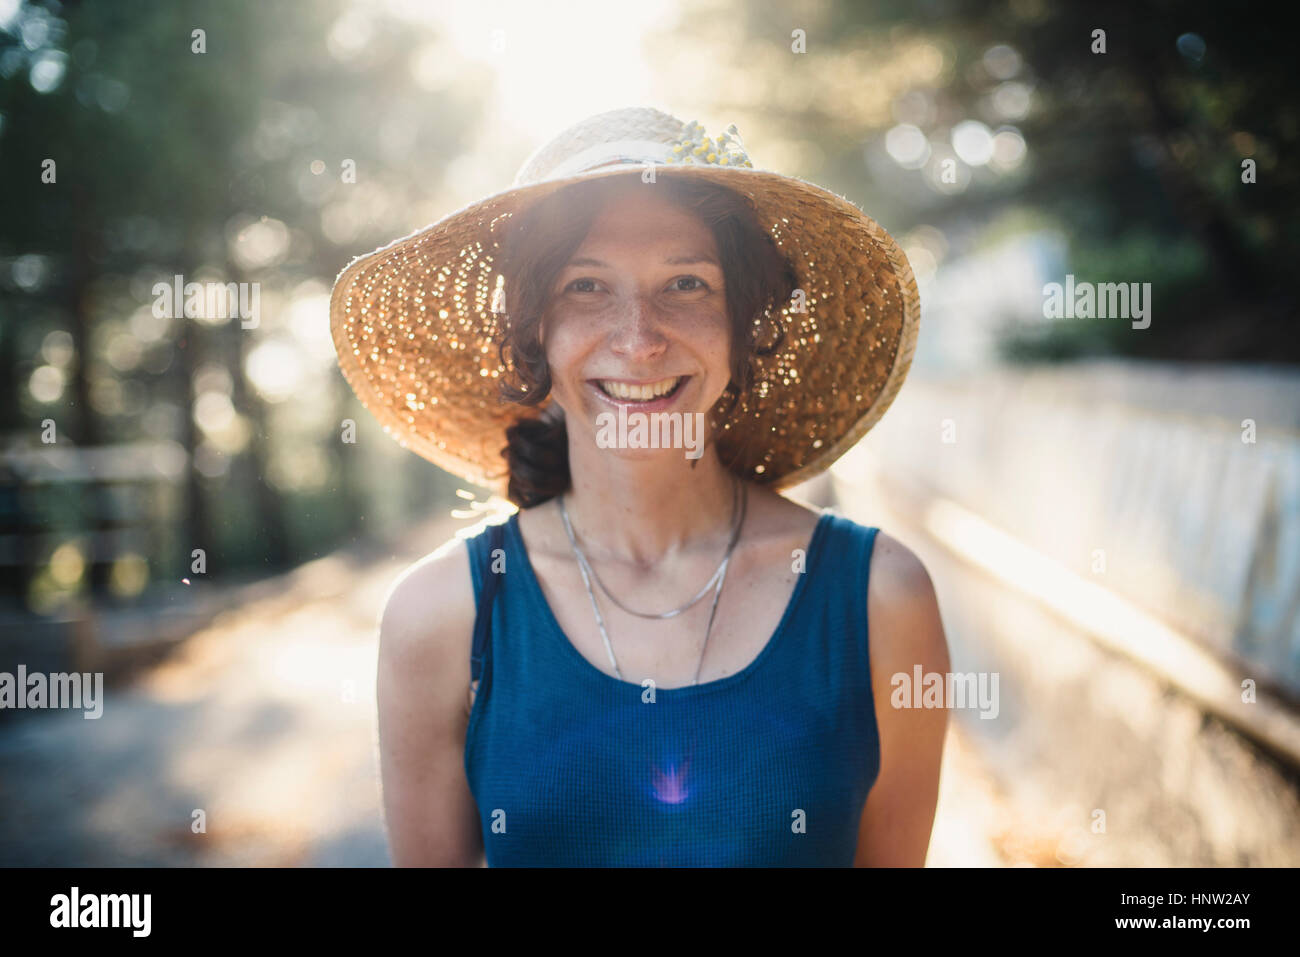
x=643, y=511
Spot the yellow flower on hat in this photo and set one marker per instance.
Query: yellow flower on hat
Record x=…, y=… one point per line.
x=696, y=146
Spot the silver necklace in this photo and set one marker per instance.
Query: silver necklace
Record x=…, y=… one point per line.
x=721, y=575
x=737, y=517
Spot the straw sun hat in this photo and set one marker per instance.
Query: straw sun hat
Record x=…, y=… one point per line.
x=417, y=336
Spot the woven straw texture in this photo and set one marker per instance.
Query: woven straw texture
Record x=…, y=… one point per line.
x=418, y=343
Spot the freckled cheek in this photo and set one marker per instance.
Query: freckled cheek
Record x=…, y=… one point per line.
x=715, y=343
x=567, y=344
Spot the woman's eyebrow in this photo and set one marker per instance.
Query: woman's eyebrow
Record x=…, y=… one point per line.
x=691, y=259
x=684, y=260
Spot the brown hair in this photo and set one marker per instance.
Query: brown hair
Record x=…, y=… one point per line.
x=758, y=278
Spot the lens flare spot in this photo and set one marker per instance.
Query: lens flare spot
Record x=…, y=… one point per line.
x=670, y=786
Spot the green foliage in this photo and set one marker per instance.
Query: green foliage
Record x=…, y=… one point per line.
x=1135, y=154
x=163, y=154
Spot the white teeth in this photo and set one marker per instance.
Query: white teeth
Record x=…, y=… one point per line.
x=639, y=393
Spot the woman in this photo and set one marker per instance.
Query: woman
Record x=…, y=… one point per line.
x=667, y=661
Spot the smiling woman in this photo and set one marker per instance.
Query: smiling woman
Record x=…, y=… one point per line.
x=708, y=229
x=614, y=716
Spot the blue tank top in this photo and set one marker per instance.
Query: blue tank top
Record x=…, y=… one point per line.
x=766, y=767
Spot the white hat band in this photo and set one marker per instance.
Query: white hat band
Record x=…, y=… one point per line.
x=620, y=151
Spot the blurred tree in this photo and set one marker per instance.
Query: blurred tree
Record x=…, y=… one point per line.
x=1136, y=152
x=217, y=158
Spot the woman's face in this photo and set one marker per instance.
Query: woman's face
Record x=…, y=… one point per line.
x=638, y=317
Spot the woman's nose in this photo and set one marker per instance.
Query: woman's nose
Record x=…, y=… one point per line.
x=636, y=332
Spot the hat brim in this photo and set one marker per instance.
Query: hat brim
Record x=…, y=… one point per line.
x=418, y=344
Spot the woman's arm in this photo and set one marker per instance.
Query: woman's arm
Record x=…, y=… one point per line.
x=904, y=630
x=424, y=646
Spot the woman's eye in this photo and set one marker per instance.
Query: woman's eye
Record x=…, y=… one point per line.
x=698, y=283
x=680, y=284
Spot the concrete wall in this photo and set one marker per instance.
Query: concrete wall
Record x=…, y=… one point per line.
x=1136, y=476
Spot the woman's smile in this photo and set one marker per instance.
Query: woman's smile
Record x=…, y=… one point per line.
x=644, y=394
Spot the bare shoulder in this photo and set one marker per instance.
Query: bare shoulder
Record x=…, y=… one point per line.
x=905, y=634
x=897, y=569
x=902, y=609
x=425, y=633
x=428, y=619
